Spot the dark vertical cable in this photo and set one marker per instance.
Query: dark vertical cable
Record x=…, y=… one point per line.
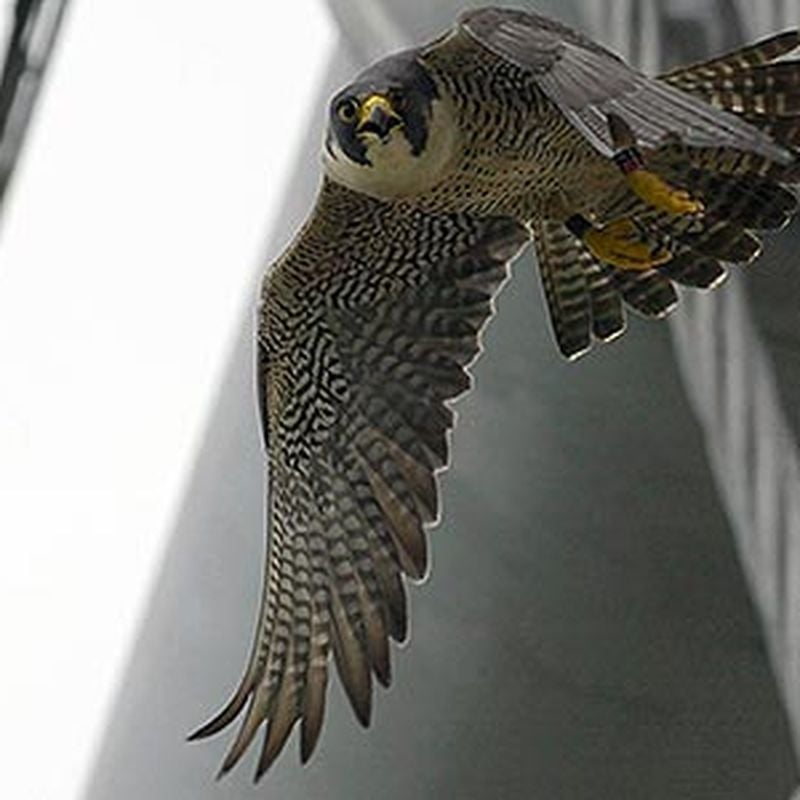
x=30, y=45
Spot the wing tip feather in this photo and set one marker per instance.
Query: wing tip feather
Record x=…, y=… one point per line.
x=224, y=717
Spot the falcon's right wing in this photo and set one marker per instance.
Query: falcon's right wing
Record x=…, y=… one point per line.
x=368, y=325
x=741, y=101
x=587, y=83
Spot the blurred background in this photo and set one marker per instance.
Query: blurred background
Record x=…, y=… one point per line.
x=636, y=636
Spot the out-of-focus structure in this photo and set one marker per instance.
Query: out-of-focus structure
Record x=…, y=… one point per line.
x=32, y=34
x=638, y=637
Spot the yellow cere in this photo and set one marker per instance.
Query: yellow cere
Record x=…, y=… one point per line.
x=374, y=101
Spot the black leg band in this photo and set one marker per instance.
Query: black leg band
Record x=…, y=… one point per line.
x=629, y=159
x=579, y=225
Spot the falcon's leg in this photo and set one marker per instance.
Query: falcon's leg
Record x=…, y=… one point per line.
x=648, y=186
x=654, y=191
x=620, y=243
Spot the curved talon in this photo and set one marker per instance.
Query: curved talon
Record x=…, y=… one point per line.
x=619, y=243
x=659, y=194
x=648, y=186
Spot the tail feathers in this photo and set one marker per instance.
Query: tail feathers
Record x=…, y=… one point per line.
x=725, y=241
x=689, y=268
x=586, y=298
x=649, y=292
x=750, y=201
x=608, y=314
x=562, y=266
x=712, y=235
x=751, y=84
x=758, y=204
x=758, y=93
x=742, y=59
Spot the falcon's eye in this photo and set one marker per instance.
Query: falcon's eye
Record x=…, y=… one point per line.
x=347, y=110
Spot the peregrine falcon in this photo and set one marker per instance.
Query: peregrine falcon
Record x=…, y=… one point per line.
x=440, y=164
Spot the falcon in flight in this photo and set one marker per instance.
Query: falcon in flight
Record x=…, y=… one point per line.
x=440, y=164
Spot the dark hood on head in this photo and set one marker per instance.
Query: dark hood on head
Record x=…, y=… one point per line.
x=401, y=73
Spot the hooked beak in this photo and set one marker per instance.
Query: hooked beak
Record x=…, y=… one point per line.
x=377, y=117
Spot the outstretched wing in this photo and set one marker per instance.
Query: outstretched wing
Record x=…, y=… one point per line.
x=587, y=82
x=367, y=326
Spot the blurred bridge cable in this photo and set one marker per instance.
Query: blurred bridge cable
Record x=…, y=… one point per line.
x=32, y=38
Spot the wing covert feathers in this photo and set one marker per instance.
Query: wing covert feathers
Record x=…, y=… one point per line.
x=587, y=83
x=369, y=322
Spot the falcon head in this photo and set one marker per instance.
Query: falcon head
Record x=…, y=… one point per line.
x=392, y=98
x=385, y=130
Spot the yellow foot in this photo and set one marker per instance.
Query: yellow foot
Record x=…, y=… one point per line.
x=646, y=185
x=620, y=244
x=659, y=194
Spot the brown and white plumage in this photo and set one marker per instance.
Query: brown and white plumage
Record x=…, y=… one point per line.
x=360, y=348
x=441, y=163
